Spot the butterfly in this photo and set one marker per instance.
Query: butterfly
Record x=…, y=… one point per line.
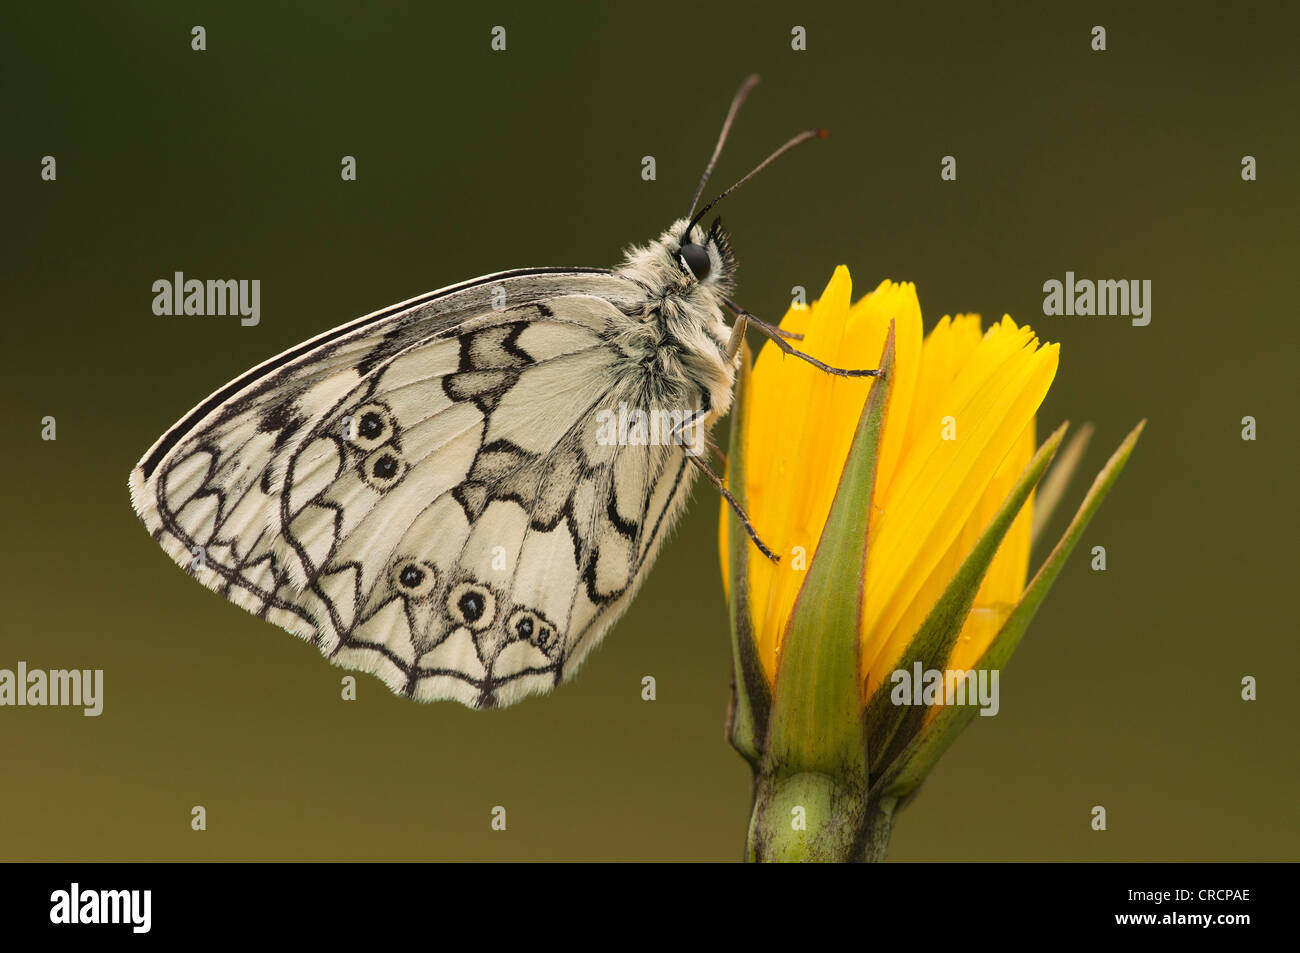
x=461, y=493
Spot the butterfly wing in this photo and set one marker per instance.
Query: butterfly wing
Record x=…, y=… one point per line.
x=422, y=494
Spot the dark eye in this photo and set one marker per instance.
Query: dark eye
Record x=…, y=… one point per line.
x=696, y=258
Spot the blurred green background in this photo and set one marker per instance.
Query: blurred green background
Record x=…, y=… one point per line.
x=225, y=163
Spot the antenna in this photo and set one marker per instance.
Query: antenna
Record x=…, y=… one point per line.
x=736, y=102
x=806, y=136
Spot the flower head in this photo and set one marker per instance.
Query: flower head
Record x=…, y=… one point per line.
x=958, y=432
x=901, y=509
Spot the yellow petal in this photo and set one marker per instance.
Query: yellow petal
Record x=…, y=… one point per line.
x=994, y=398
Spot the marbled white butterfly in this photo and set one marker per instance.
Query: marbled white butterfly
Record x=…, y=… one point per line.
x=462, y=492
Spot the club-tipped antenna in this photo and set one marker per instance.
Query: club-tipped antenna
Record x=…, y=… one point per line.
x=736, y=102
x=806, y=136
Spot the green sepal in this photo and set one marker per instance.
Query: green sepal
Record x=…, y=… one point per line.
x=751, y=699
x=889, y=726
x=909, y=769
x=1051, y=489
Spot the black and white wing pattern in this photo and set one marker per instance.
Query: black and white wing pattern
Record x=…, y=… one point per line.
x=422, y=494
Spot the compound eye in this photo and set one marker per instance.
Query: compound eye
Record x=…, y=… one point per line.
x=696, y=258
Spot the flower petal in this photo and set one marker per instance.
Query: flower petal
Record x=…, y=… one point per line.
x=938, y=488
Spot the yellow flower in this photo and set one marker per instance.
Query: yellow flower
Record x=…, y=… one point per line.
x=959, y=431
x=901, y=509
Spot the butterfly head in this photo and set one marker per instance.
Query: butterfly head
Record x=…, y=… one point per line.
x=703, y=257
x=692, y=266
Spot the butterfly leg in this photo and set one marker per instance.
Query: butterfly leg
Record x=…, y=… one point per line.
x=736, y=507
x=693, y=454
x=737, y=336
x=742, y=321
x=779, y=339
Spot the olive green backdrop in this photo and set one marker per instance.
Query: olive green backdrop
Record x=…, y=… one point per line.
x=225, y=163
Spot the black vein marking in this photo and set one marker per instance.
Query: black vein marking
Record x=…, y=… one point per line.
x=558, y=480
x=592, y=562
x=484, y=388
x=348, y=641
x=589, y=580
x=203, y=491
x=540, y=310
x=390, y=345
x=494, y=348
x=313, y=571
x=242, y=560
x=291, y=472
x=624, y=527
x=233, y=577
x=487, y=685
x=473, y=499
x=638, y=559
x=283, y=420
x=668, y=505
x=612, y=605
x=423, y=673
x=511, y=343
x=498, y=460
x=335, y=619
x=564, y=514
x=345, y=638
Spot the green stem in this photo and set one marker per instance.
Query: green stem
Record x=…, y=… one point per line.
x=811, y=817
